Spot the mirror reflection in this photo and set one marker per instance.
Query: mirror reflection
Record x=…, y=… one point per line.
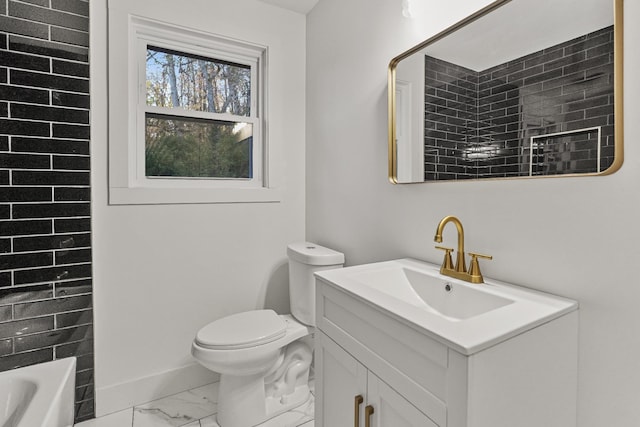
x=523, y=88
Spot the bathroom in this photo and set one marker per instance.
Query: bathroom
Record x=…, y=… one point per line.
x=162, y=271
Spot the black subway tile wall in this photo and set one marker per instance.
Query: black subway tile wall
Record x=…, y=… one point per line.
x=451, y=118
x=512, y=119
x=45, y=228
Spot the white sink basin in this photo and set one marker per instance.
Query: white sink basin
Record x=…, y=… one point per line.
x=467, y=317
x=433, y=293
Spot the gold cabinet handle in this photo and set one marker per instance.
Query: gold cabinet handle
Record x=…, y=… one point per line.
x=356, y=410
x=368, y=411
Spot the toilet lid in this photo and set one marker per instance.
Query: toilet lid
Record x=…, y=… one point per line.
x=242, y=330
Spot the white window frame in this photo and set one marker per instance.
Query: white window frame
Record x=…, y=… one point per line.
x=127, y=175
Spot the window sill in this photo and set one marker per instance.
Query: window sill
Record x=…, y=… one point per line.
x=164, y=196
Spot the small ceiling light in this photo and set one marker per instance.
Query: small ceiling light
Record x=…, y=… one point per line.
x=406, y=8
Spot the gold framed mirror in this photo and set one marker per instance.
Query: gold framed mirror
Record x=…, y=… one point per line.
x=519, y=89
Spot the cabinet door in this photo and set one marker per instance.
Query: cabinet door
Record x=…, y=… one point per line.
x=339, y=379
x=391, y=409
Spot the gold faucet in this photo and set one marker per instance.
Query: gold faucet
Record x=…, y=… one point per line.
x=460, y=271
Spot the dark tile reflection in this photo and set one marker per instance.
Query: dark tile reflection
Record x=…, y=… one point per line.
x=490, y=115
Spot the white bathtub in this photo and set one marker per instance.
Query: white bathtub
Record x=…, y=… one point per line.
x=39, y=395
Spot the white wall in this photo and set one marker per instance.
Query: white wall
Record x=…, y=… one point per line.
x=576, y=237
x=163, y=271
x=410, y=80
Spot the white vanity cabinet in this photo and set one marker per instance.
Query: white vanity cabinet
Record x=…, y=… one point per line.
x=353, y=395
x=411, y=378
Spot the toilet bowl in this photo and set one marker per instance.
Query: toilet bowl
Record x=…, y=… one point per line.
x=261, y=356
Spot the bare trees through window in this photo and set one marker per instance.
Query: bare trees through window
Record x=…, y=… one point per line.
x=178, y=144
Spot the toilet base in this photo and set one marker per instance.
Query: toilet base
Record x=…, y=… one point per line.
x=243, y=417
x=246, y=401
x=249, y=411
x=277, y=406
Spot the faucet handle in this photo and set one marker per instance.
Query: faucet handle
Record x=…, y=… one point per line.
x=447, y=263
x=474, y=254
x=474, y=268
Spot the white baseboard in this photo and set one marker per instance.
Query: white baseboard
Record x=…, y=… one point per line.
x=142, y=390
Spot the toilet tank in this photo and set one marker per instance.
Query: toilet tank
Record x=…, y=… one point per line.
x=305, y=259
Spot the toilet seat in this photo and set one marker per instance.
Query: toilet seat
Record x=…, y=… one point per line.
x=242, y=330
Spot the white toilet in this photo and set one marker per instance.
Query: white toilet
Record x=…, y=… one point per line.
x=260, y=355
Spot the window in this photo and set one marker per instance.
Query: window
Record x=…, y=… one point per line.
x=195, y=122
x=199, y=116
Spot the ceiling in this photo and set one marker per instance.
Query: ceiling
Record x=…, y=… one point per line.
x=519, y=28
x=300, y=6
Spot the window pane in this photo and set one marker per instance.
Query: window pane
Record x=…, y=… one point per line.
x=192, y=148
x=180, y=80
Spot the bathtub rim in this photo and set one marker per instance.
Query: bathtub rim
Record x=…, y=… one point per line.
x=55, y=381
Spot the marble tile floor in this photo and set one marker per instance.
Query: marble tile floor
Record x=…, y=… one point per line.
x=193, y=408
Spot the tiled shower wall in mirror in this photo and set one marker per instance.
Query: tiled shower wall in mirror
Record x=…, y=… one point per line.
x=45, y=233
x=479, y=124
